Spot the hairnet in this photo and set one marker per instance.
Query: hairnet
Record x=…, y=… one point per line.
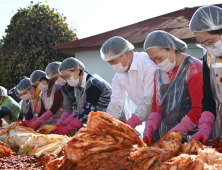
x=206, y=19
x=70, y=64
x=36, y=76
x=52, y=69
x=115, y=47
x=23, y=85
x=3, y=91
x=162, y=39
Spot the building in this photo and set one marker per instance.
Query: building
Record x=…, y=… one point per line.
x=87, y=49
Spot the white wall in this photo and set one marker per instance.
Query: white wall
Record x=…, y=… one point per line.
x=195, y=51
x=95, y=65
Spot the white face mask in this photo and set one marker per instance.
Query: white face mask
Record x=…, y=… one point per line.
x=166, y=65
x=119, y=67
x=73, y=82
x=43, y=87
x=215, y=51
x=60, y=81
x=26, y=97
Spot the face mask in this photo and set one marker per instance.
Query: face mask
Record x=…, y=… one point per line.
x=60, y=81
x=215, y=51
x=166, y=65
x=119, y=67
x=43, y=87
x=26, y=97
x=72, y=82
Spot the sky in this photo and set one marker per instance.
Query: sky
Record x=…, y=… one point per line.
x=91, y=17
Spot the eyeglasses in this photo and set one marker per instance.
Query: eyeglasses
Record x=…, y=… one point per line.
x=205, y=44
x=67, y=77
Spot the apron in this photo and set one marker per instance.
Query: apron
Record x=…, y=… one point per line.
x=14, y=109
x=48, y=98
x=173, y=99
x=68, y=90
x=215, y=65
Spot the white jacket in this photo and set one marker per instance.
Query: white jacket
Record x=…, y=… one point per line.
x=137, y=83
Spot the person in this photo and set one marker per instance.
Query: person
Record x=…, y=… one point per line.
x=133, y=78
x=51, y=98
x=69, y=100
x=27, y=94
x=91, y=91
x=9, y=108
x=206, y=25
x=177, y=87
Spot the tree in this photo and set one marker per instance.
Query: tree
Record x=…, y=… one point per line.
x=27, y=45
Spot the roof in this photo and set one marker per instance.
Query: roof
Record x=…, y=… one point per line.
x=176, y=23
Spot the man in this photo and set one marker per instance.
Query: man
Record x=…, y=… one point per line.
x=134, y=78
x=9, y=108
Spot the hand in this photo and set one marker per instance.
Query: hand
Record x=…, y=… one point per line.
x=35, y=125
x=148, y=138
x=60, y=131
x=219, y=149
x=26, y=122
x=61, y=125
x=29, y=122
x=201, y=136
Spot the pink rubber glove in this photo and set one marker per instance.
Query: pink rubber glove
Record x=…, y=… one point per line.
x=133, y=121
x=65, y=130
x=64, y=116
x=185, y=126
x=206, y=122
x=152, y=123
x=68, y=120
x=37, y=123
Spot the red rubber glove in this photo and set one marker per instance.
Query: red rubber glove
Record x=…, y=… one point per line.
x=219, y=149
x=68, y=120
x=64, y=116
x=133, y=121
x=65, y=130
x=206, y=122
x=38, y=121
x=29, y=122
x=152, y=124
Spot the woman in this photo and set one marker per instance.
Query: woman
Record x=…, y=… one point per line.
x=30, y=99
x=51, y=97
x=177, y=87
x=9, y=108
x=206, y=25
x=91, y=91
x=69, y=100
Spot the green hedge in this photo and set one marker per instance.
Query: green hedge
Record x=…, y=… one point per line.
x=27, y=45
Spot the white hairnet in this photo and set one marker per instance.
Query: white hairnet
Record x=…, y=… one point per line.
x=52, y=69
x=162, y=39
x=23, y=85
x=3, y=91
x=115, y=47
x=70, y=64
x=36, y=76
x=206, y=19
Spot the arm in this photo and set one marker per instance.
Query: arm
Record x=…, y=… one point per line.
x=208, y=100
x=117, y=98
x=208, y=115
